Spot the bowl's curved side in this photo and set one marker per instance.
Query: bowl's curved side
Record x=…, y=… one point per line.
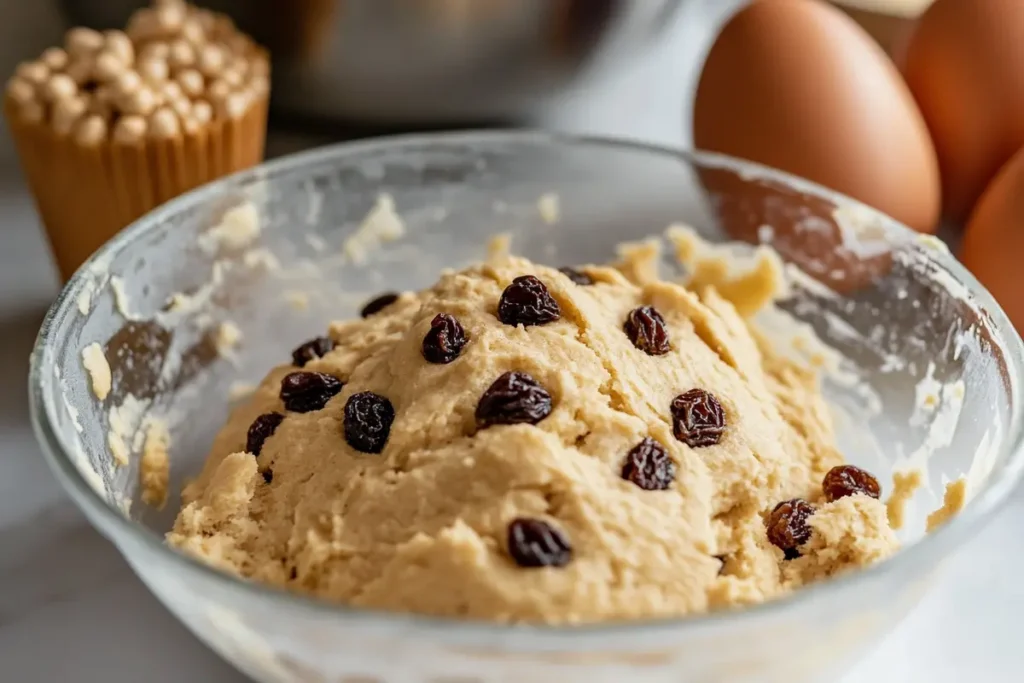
x=310, y=630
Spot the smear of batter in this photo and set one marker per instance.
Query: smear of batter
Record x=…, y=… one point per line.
x=382, y=224
x=904, y=486
x=154, y=466
x=297, y=299
x=952, y=503
x=549, y=207
x=238, y=228
x=124, y=420
x=227, y=338
x=96, y=366
x=122, y=301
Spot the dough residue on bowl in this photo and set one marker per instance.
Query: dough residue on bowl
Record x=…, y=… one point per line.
x=904, y=486
x=155, y=464
x=226, y=338
x=953, y=502
x=124, y=420
x=382, y=224
x=549, y=207
x=237, y=229
x=98, y=369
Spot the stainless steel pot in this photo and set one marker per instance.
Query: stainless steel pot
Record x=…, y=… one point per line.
x=424, y=62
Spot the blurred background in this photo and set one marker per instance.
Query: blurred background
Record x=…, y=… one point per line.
x=345, y=69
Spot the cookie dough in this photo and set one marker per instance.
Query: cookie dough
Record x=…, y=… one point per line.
x=608, y=488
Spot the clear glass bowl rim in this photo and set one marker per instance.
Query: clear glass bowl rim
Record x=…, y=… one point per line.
x=533, y=637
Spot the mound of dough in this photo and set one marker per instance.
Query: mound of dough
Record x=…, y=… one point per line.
x=424, y=525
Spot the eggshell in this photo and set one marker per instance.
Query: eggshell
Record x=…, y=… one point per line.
x=965, y=66
x=798, y=85
x=993, y=244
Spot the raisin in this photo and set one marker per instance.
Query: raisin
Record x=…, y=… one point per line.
x=368, y=418
x=698, y=419
x=268, y=475
x=304, y=392
x=787, y=526
x=261, y=429
x=649, y=467
x=577, y=276
x=444, y=341
x=847, y=480
x=379, y=304
x=646, y=329
x=535, y=543
x=527, y=301
x=311, y=350
x=513, y=398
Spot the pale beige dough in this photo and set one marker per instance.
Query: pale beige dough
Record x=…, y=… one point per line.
x=904, y=486
x=953, y=502
x=226, y=338
x=96, y=365
x=238, y=228
x=549, y=208
x=422, y=526
x=382, y=224
x=155, y=465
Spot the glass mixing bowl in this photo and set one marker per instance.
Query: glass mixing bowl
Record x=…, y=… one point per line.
x=922, y=369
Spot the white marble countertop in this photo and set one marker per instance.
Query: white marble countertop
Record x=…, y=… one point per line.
x=71, y=610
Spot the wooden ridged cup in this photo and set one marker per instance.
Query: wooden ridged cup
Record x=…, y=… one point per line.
x=86, y=194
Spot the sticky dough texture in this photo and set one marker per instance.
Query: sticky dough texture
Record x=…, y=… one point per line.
x=422, y=526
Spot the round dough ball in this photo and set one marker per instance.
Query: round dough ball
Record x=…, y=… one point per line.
x=21, y=91
x=66, y=113
x=127, y=82
x=164, y=123
x=91, y=130
x=54, y=58
x=119, y=44
x=130, y=129
x=35, y=73
x=108, y=66
x=202, y=112
x=191, y=82
x=181, y=55
x=59, y=87
x=158, y=50
x=81, y=70
x=82, y=42
x=153, y=71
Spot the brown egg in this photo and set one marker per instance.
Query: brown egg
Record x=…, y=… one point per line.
x=993, y=245
x=798, y=85
x=965, y=66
